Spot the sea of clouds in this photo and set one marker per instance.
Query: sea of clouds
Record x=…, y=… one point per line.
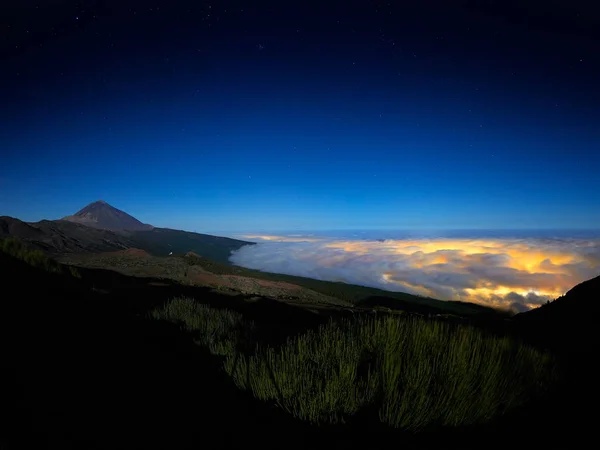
x=516, y=271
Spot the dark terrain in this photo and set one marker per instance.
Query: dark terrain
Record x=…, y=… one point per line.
x=60, y=237
x=568, y=323
x=87, y=370
x=85, y=367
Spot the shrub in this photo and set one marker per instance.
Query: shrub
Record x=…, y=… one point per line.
x=35, y=258
x=217, y=329
x=414, y=372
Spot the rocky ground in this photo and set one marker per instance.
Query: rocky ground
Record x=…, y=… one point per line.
x=136, y=262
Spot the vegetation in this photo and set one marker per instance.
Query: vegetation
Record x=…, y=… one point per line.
x=35, y=258
x=411, y=373
x=219, y=329
x=286, y=369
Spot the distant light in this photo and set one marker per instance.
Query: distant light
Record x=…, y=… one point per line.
x=76, y=17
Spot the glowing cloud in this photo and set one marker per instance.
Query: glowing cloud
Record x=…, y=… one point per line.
x=290, y=238
x=510, y=273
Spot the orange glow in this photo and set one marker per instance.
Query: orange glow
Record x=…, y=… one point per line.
x=495, y=272
x=280, y=238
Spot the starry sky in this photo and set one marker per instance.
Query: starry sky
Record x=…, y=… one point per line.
x=299, y=115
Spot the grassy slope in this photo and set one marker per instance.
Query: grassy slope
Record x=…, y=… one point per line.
x=357, y=295
x=35, y=258
x=409, y=372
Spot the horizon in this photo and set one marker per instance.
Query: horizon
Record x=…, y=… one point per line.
x=531, y=231
x=270, y=116
x=32, y=216
x=230, y=232
x=513, y=270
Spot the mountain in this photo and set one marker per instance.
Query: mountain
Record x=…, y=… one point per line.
x=100, y=214
x=63, y=237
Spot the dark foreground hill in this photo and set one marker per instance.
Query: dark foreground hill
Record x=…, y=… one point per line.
x=60, y=237
x=100, y=214
x=569, y=323
x=85, y=367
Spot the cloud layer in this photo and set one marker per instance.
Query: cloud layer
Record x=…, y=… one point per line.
x=510, y=273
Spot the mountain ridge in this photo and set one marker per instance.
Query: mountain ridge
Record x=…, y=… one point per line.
x=62, y=237
x=568, y=323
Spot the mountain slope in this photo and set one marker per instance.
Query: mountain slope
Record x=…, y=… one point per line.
x=163, y=241
x=15, y=227
x=62, y=237
x=582, y=300
x=569, y=322
x=100, y=214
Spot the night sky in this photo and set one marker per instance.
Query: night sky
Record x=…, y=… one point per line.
x=285, y=115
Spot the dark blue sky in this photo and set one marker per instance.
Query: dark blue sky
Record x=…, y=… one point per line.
x=221, y=116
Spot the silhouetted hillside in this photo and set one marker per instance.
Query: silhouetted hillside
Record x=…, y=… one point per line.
x=424, y=305
x=58, y=237
x=569, y=323
x=15, y=227
x=85, y=369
